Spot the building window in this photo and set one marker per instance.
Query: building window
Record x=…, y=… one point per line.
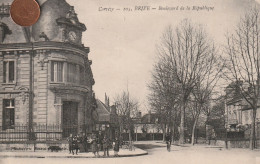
x=72, y=73
x=8, y=114
x=81, y=74
x=57, y=71
x=9, y=72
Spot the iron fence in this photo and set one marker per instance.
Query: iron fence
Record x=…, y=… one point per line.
x=21, y=133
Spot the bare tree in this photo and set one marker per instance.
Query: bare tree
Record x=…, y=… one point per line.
x=200, y=102
x=186, y=52
x=244, y=61
x=127, y=108
x=164, y=98
x=204, y=88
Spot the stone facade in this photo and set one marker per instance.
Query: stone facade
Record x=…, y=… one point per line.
x=45, y=74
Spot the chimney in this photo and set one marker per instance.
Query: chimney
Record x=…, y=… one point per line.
x=113, y=109
x=107, y=100
x=139, y=115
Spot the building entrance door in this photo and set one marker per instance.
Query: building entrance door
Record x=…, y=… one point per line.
x=70, y=118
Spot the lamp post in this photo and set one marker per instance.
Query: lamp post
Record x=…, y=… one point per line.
x=31, y=137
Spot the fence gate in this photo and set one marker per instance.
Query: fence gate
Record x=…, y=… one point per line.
x=70, y=118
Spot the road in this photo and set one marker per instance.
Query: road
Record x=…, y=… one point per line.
x=158, y=154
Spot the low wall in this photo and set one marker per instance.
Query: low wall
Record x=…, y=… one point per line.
x=234, y=143
x=143, y=136
x=31, y=146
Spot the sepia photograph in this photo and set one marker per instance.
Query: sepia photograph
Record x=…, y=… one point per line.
x=132, y=81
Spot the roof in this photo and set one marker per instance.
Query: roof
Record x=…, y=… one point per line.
x=103, y=112
x=15, y=33
x=51, y=10
x=149, y=118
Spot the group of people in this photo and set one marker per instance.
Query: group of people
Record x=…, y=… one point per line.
x=75, y=142
x=96, y=143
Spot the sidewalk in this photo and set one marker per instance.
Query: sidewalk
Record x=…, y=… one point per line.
x=42, y=154
x=191, y=146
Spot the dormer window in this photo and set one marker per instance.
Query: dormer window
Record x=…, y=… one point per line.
x=4, y=30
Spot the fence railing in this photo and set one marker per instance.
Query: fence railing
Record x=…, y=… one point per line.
x=21, y=133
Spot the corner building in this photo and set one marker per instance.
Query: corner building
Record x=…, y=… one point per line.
x=45, y=76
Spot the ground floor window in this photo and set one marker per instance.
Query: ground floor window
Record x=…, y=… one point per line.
x=8, y=114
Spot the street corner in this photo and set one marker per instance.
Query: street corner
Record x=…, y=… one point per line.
x=135, y=152
x=122, y=153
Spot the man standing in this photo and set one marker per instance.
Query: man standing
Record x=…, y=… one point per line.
x=75, y=144
x=85, y=142
x=99, y=141
x=106, y=145
x=70, y=139
x=116, y=147
x=168, y=141
x=93, y=142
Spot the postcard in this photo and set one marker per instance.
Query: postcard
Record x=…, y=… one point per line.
x=134, y=81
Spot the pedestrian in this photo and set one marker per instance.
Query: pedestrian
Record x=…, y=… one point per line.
x=99, y=141
x=75, y=144
x=84, y=142
x=79, y=144
x=168, y=142
x=89, y=141
x=93, y=142
x=116, y=147
x=106, y=145
x=121, y=141
x=69, y=139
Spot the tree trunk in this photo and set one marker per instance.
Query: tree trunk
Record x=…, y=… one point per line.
x=172, y=132
x=206, y=129
x=168, y=128
x=193, y=130
x=130, y=140
x=182, y=124
x=164, y=130
x=252, y=135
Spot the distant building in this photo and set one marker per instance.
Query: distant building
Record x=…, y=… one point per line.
x=238, y=114
x=147, y=127
x=107, y=122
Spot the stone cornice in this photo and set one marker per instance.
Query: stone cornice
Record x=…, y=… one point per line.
x=12, y=91
x=68, y=88
x=46, y=45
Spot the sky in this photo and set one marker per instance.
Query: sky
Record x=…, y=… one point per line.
x=123, y=43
